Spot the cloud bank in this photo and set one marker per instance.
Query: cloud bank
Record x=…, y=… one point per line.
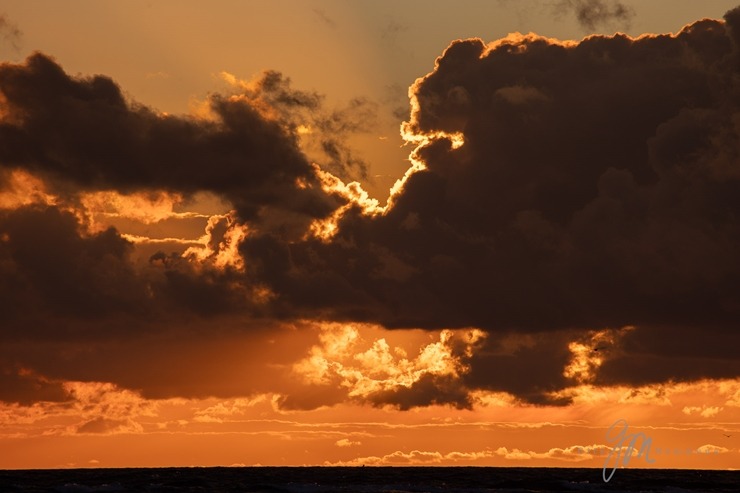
x=558, y=191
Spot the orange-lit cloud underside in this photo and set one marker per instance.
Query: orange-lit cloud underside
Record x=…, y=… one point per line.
x=100, y=424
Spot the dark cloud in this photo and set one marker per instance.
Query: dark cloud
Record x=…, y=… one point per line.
x=323, y=133
x=597, y=187
x=427, y=391
x=528, y=369
x=592, y=14
x=101, y=425
x=83, y=133
x=178, y=356
x=49, y=267
x=24, y=387
x=662, y=354
x=82, y=288
x=53, y=267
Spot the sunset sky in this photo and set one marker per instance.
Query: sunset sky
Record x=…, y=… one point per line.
x=380, y=233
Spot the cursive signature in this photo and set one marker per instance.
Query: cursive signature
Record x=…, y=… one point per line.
x=617, y=449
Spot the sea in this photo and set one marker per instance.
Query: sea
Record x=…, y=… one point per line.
x=366, y=480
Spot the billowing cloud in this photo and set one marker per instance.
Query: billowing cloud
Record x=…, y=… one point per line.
x=82, y=133
x=557, y=186
x=380, y=374
x=574, y=204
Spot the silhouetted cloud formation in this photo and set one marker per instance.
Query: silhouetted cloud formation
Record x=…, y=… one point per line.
x=596, y=187
x=82, y=133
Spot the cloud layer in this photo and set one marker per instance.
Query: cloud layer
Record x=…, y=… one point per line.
x=557, y=190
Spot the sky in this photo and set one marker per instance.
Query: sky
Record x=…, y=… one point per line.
x=369, y=233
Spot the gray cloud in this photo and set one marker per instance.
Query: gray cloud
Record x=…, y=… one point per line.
x=592, y=14
x=10, y=32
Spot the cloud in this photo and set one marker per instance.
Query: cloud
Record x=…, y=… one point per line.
x=416, y=457
x=109, y=426
x=580, y=194
x=712, y=449
x=592, y=14
x=23, y=386
x=10, y=32
x=242, y=154
x=49, y=267
x=599, y=193
x=704, y=411
x=575, y=453
x=321, y=133
x=377, y=373
x=559, y=193
x=76, y=157
x=345, y=442
x=80, y=407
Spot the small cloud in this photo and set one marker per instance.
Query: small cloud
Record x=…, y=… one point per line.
x=514, y=454
x=712, y=449
x=594, y=13
x=344, y=442
x=704, y=411
x=569, y=454
x=10, y=33
x=207, y=419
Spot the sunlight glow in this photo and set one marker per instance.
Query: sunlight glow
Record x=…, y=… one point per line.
x=22, y=188
x=221, y=241
x=352, y=193
x=147, y=208
x=589, y=353
x=340, y=360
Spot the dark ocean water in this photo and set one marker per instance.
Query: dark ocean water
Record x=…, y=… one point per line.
x=366, y=480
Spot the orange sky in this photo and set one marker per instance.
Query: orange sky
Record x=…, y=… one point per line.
x=106, y=426
x=362, y=291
